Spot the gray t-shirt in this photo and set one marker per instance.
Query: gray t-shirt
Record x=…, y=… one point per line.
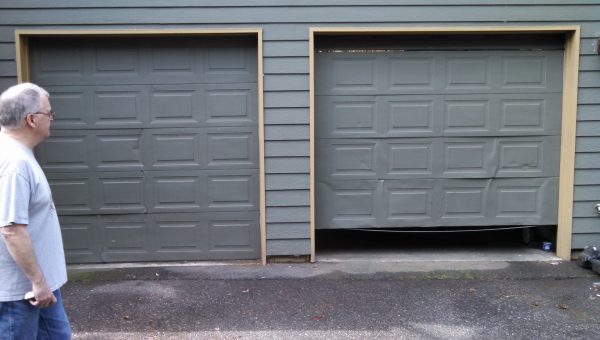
x=25, y=198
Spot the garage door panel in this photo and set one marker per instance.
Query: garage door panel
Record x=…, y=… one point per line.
x=526, y=201
x=203, y=105
x=350, y=204
x=176, y=149
x=80, y=238
x=231, y=105
x=189, y=105
x=474, y=157
x=117, y=150
x=372, y=72
x=182, y=236
x=146, y=61
x=351, y=73
x=232, y=190
x=438, y=115
x=67, y=151
x=347, y=158
x=202, y=191
x=530, y=114
x=408, y=203
x=175, y=105
x=58, y=65
x=346, y=116
x=465, y=203
x=233, y=235
x=410, y=116
x=73, y=194
x=468, y=158
x=150, y=149
x=119, y=107
x=174, y=191
x=528, y=157
x=126, y=237
x=120, y=193
x=69, y=102
x=229, y=64
x=231, y=148
x=501, y=115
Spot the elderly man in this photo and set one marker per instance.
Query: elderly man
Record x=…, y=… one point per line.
x=31, y=249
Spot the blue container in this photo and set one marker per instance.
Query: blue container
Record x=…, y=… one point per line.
x=547, y=246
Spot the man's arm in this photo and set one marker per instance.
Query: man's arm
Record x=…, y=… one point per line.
x=20, y=247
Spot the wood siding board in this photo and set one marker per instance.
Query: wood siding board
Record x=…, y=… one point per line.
x=286, y=148
x=582, y=240
x=286, y=65
x=588, y=112
x=585, y=225
x=589, y=176
x=286, y=82
x=288, y=214
x=287, y=165
x=588, y=128
x=589, y=46
x=7, y=34
x=285, y=48
x=7, y=51
x=590, y=79
x=282, y=231
x=587, y=144
x=287, y=182
x=8, y=68
x=585, y=209
x=282, y=31
x=286, y=99
x=272, y=3
x=6, y=82
x=589, y=63
x=288, y=247
x=286, y=132
x=587, y=160
x=286, y=116
x=290, y=198
x=256, y=15
x=587, y=193
x=589, y=96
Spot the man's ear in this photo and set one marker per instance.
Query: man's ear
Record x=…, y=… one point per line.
x=29, y=120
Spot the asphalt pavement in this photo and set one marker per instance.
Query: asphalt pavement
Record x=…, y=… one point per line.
x=353, y=300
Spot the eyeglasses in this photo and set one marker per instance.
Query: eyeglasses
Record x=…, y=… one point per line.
x=49, y=114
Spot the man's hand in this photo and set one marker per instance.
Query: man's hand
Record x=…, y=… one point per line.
x=18, y=243
x=43, y=297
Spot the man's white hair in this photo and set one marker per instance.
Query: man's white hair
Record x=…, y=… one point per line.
x=17, y=101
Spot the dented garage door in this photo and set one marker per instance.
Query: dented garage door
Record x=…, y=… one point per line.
x=433, y=132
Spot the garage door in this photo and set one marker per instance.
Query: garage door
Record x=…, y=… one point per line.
x=437, y=131
x=154, y=149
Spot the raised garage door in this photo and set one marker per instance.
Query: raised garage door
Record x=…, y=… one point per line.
x=437, y=132
x=154, y=149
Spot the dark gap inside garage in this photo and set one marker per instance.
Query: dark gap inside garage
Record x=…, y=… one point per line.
x=436, y=241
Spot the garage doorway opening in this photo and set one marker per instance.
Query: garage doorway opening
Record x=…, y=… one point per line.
x=437, y=244
x=392, y=113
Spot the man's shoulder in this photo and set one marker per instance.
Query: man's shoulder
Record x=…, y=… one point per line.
x=14, y=162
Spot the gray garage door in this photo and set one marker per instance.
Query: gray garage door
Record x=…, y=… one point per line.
x=437, y=132
x=154, y=149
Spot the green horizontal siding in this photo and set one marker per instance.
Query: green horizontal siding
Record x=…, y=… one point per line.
x=286, y=25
